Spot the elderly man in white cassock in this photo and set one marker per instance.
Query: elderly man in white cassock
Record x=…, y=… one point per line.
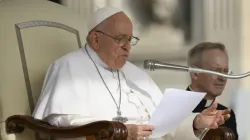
x=98, y=83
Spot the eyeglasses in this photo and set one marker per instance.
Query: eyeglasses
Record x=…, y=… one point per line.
x=122, y=40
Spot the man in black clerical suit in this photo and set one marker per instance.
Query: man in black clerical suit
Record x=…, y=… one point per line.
x=210, y=56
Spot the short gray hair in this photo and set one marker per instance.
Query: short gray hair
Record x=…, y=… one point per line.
x=195, y=54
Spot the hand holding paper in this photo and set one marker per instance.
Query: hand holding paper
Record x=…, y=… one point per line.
x=174, y=107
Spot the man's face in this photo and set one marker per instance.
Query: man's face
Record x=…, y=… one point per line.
x=117, y=27
x=215, y=60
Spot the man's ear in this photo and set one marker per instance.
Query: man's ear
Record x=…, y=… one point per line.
x=94, y=39
x=194, y=75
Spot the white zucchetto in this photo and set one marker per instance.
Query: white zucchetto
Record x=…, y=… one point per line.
x=100, y=15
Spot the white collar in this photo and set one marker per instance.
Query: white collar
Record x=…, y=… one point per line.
x=208, y=102
x=96, y=58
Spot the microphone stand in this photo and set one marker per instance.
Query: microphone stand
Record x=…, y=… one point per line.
x=152, y=65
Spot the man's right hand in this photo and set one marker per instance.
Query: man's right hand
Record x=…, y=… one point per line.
x=211, y=117
x=138, y=132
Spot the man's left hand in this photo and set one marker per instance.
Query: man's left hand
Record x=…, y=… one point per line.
x=211, y=118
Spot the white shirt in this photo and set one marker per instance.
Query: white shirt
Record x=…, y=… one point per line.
x=74, y=94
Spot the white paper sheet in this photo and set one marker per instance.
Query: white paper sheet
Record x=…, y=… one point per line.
x=174, y=107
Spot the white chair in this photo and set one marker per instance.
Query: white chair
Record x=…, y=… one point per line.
x=33, y=33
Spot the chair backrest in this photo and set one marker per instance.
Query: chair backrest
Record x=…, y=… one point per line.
x=33, y=33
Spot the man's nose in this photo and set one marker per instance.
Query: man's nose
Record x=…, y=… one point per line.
x=222, y=79
x=127, y=46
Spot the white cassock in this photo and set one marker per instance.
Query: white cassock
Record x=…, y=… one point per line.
x=74, y=94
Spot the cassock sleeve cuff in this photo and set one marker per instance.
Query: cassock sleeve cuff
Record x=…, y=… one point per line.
x=185, y=129
x=69, y=120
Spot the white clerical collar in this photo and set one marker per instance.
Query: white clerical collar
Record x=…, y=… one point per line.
x=96, y=58
x=208, y=102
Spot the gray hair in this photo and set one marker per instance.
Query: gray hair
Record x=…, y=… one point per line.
x=195, y=54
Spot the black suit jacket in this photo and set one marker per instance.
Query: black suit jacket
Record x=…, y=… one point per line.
x=230, y=123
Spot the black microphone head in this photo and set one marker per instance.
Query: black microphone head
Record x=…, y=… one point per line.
x=149, y=64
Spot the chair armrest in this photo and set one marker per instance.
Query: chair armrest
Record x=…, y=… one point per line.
x=105, y=130
x=221, y=133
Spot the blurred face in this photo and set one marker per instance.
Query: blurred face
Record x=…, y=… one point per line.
x=164, y=9
x=215, y=60
x=108, y=40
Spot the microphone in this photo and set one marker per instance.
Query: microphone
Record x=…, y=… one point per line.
x=152, y=65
